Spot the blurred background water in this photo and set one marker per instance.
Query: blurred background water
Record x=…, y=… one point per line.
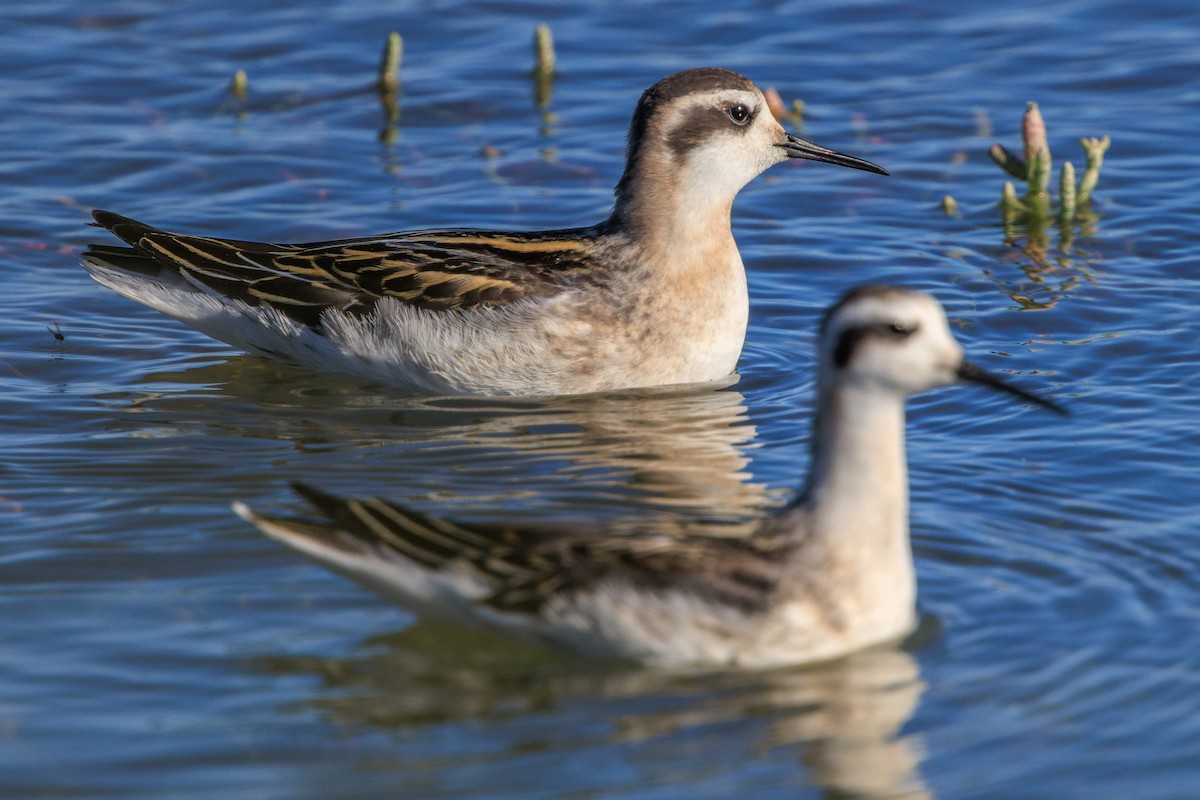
x=153, y=645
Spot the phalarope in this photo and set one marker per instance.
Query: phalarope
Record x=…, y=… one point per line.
x=656, y=294
x=830, y=574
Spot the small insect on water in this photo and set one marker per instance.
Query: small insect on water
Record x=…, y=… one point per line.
x=58, y=346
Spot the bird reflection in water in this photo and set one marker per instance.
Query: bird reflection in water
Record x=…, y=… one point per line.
x=841, y=721
x=663, y=452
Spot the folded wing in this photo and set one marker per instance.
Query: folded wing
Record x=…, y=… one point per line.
x=435, y=270
x=524, y=567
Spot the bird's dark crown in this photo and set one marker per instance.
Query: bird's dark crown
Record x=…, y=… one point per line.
x=666, y=91
x=851, y=338
x=681, y=84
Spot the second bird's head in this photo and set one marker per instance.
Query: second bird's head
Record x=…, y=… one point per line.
x=887, y=341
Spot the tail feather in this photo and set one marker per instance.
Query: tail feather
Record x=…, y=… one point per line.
x=296, y=531
x=125, y=259
x=127, y=230
x=226, y=269
x=419, y=537
x=132, y=259
x=402, y=572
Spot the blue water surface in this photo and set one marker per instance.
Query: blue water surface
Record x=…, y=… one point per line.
x=154, y=645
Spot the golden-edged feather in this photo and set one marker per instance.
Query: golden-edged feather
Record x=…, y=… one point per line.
x=438, y=270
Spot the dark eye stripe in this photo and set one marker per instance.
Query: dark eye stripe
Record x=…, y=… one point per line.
x=702, y=123
x=849, y=339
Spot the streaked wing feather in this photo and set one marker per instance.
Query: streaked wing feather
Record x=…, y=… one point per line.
x=527, y=566
x=433, y=270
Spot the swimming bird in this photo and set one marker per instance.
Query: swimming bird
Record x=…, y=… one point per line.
x=655, y=294
x=829, y=574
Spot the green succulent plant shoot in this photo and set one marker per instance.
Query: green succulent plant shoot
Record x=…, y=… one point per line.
x=1035, y=167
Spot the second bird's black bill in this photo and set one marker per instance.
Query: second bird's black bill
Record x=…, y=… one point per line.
x=969, y=372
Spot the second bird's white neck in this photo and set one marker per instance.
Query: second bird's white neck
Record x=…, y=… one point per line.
x=856, y=508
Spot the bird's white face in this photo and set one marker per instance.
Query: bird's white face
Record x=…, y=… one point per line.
x=723, y=138
x=696, y=138
x=892, y=340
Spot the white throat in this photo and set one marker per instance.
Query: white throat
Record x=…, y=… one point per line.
x=856, y=508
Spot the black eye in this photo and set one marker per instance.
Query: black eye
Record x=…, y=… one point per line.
x=738, y=113
x=901, y=330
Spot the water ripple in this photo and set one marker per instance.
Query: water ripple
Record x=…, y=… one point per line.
x=155, y=645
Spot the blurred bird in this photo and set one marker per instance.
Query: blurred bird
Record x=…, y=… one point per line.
x=831, y=573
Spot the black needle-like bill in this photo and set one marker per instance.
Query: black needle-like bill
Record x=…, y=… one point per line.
x=796, y=147
x=969, y=372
